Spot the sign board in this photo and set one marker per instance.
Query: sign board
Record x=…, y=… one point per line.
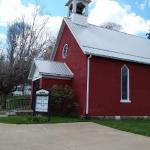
x=42, y=101
x=41, y=104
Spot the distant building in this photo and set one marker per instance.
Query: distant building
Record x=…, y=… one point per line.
x=20, y=91
x=108, y=70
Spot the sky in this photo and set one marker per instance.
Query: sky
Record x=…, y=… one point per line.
x=132, y=15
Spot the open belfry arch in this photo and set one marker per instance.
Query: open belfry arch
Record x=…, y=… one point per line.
x=78, y=7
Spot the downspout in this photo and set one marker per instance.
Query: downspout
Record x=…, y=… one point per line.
x=87, y=85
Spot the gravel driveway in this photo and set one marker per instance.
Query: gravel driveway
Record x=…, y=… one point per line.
x=74, y=136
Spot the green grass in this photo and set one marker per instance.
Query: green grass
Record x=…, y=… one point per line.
x=13, y=120
x=38, y=120
x=138, y=126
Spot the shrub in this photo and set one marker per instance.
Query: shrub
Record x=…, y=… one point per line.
x=63, y=100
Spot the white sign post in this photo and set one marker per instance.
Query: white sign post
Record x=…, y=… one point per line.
x=42, y=102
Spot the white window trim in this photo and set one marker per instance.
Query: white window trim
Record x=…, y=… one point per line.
x=125, y=101
x=64, y=55
x=128, y=88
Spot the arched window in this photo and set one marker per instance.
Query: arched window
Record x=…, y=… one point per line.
x=65, y=51
x=125, y=83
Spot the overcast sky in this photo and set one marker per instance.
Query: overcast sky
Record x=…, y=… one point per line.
x=133, y=15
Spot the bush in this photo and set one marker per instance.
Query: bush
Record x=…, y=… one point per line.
x=63, y=100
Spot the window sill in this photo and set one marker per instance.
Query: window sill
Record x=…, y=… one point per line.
x=125, y=101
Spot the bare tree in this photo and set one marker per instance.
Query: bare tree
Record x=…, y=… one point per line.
x=25, y=41
x=111, y=26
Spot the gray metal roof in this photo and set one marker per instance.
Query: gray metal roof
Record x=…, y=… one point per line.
x=108, y=43
x=50, y=68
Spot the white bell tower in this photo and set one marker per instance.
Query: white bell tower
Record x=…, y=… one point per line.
x=78, y=11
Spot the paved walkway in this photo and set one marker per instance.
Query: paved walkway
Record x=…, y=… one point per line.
x=75, y=136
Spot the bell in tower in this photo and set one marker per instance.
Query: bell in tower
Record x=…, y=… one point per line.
x=78, y=11
x=78, y=7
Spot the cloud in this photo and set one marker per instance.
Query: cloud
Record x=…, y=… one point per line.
x=10, y=10
x=2, y=36
x=111, y=11
x=101, y=11
x=54, y=25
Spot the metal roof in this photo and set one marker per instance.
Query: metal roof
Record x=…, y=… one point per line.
x=102, y=42
x=50, y=68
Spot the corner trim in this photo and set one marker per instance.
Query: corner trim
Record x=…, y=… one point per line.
x=88, y=85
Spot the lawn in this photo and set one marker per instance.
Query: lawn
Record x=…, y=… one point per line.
x=138, y=126
x=38, y=120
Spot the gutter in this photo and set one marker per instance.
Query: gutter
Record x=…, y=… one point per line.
x=87, y=86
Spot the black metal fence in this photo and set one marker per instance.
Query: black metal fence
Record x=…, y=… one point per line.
x=18, y=103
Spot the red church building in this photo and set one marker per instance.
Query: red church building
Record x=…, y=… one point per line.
x=108, y=70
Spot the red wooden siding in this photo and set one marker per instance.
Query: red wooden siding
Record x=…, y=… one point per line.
x=105, y=82
x=47, y=83
x=105, y=88
x=76, y=61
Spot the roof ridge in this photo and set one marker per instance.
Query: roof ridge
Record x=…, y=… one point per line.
x=119, y=32
x=89, y=24
x=49, y=61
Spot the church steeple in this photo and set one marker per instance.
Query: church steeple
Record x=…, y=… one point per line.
x=78, y=10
